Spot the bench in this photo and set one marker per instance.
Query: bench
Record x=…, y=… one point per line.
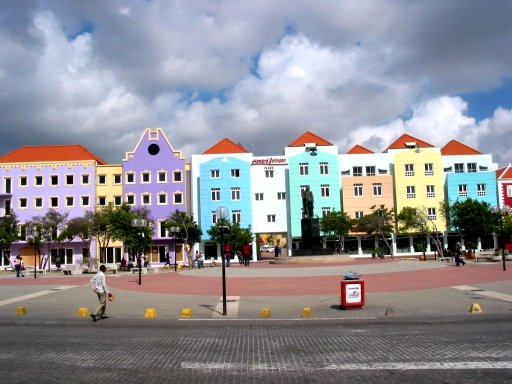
x=136, y=270
x=483, y=255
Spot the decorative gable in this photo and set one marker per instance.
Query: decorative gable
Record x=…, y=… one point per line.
x=225, y=146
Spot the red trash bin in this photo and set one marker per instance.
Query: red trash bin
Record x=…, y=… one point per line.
x=352, y=293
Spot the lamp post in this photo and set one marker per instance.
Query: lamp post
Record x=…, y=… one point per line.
x=502, y=212
x=139, y=224
x=222, y=213
x=35, y=237
x=421, y=222
x=174, y=231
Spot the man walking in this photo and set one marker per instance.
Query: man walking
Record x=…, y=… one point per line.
x=99, y=285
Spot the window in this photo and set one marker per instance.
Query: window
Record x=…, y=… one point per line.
x=130, y=178
x=481, y=190
x=459, y=167
x=214, y=217
x=85, y=179
x=281, y=195
x=146, y=177
x=471, y=167
x=7, y=207
x=70, y=201
x=102, y=201
x=84, y=201
x=326, y=211
x=38, y=202
x=269, y=173
x=431, y=212
x=303, y=169
x=429, y=169
x=258, y=196
x=359, y=214
x=23, y=181
x=54, y=202
x=509, y=190
x=130, y=199
x=215, y=173
x=357, y=171
x=54, y=180
x=324, y=190
x=117, y=179
x=409, y=169
x=176, y=177
x=236, y=216
x=463, y=190
x=215, y=194
x=178, y=198
x=370, y=170
x=118, y=200
x=324, y=168
x=271, y=218
x=163, y=231
x=377, y=189
x=162, y=199
x=38, y=181
x=22, y=202
x=145, y=199
x=70, y=179
x=235, y=193
x=162, y=177
x=235, y=173
x=102, y=179
x=358, y=189
x=411, y=192
x=431, y=191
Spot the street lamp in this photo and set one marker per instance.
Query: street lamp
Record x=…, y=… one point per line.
x=139, y=224
x=421, y=222
x=174, y=230
x=502, y=212
x=222, y=213
x=35, y=237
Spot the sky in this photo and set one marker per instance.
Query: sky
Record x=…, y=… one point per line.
x=260, y=73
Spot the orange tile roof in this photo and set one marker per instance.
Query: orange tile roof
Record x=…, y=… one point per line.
x=309, y=137
x=42, y=153
x=455, y=147
x=405, y=138
x=359, y=150
x=504, y=173
x=225, y=146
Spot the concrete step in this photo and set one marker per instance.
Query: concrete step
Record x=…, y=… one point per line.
x=310, y=259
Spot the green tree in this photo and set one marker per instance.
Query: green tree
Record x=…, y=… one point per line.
x=417, y=220
x=235, y=235
x=81, y=227
x=473, y=219
x=103, y=227
x=380, y=223
x=9, y=226
x=189, y=234
x=337, y=224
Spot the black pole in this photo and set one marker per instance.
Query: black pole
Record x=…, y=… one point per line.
x=503, y=245
x=35, y=260
x=139, y=261
x=224, y=306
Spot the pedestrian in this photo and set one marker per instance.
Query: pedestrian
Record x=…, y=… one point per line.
x=99, y=286
x=168, y=260
x=200, y=260
x=246, y=253
x=277, y=251
x=227, y=254
x=458, y=255
x=19, y=266
x=57, y=263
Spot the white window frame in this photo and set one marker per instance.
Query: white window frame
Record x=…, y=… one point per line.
x=50, y=199
x=325, y=190
x=38, y=178
x=214, y=173
x=235, y=193
x=83, y=202
x=463, y=190
x=102, y=201
x=72, y=180
x=145, y=175
x=56, y=177
x=130, y=199
x=358, y=214
x=431, y=214
x=258, y=196
x=159, y=196
x=324, y=168
x=146, y=196
x=20, y=182
x=377, y=189
x=481, y=190
x=271, y=218
x=431, y=191
x=458, y=168
x=370, y=170
x=303, y=169
x=235, y=172
x=471, y=167
x=175, y=176
x=101, y=177
x=37, y=200
x=72, y=201
x=129, y=175
x=269, y=173
x=20, y=201
x=358, y=190
x=119, y=178
x=215, y=194
x=236, y=216
x=85, y=179
x=161, y=177
x=281, y=195
x=409, y=170
x=326, y=211
x=410, y=192
x=429, y=169
x=357, y=171
x=176, y=196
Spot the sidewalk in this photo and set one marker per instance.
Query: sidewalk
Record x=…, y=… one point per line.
x=393, y=288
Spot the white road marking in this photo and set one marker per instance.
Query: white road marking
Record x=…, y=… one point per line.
x=351, y=367
x=33, y=295
x=232, y=304
x=490, y=294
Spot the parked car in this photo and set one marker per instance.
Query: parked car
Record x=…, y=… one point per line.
x=267, y=248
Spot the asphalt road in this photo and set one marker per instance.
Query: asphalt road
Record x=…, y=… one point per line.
x=442, y=350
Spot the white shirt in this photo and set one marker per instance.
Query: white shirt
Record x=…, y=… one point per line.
x=98, y=283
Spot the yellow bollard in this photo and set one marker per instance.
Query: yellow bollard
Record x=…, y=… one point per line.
x=150, y=313
x=475, y=308
x=21, y=310
x=186, y=313
x=265, y=313
x=82, y=312
x=307, y=312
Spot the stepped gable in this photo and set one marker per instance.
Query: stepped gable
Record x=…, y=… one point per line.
x=309, y=137
x=403, y=140
x=225, y=146
x=455, y=147
x=359, y=150
x=504, y=173
x=51, y=153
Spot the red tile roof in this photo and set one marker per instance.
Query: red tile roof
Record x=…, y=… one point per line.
x=42, y=153
x=359, y=150
x=225, y=146
x=405, y=138
x=504, y=173
x=309, y=137
x=455, y=147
